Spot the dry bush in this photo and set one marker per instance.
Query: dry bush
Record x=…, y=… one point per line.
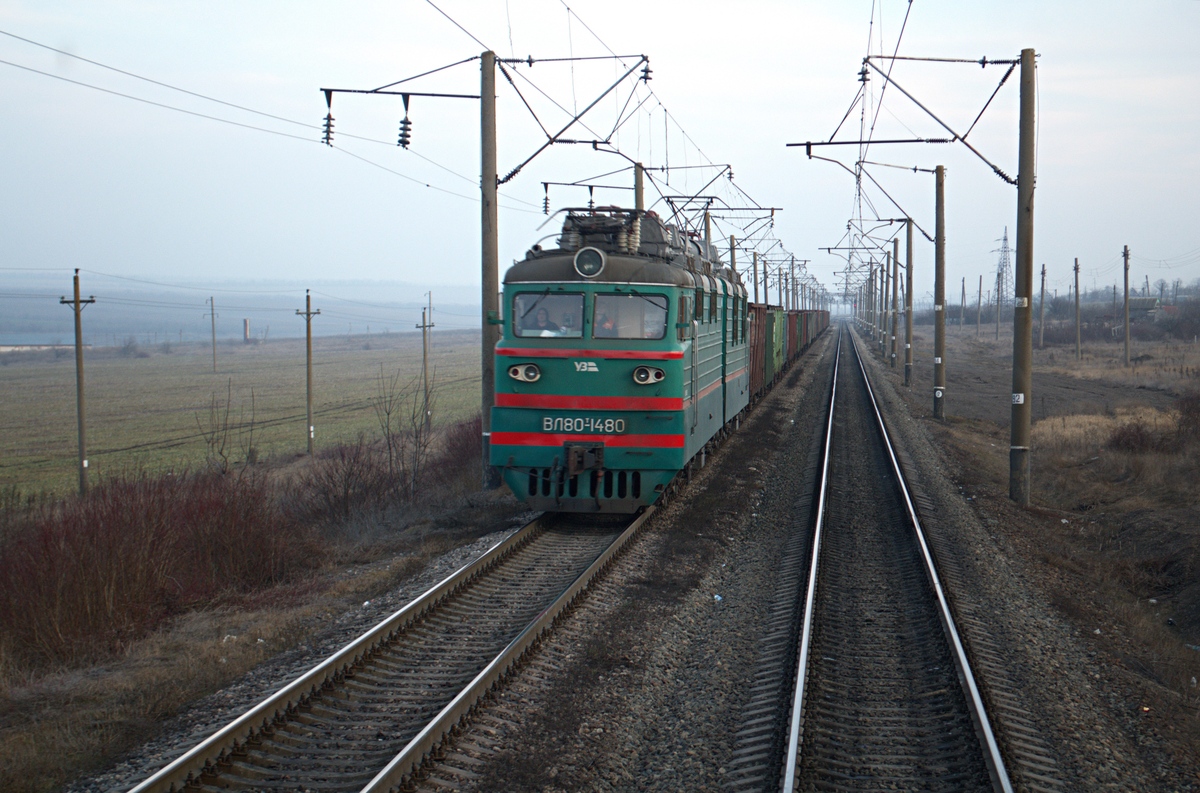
x=1137, y=437
x=342, y=483
x=457, y=462
x=79, y=580
x=1136, y=456
x=1188, y=406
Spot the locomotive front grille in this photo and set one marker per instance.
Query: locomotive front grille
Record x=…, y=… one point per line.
x=557, y=483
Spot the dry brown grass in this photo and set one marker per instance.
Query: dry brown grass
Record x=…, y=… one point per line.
x=1132, y=458
x=189, y=623
x=55, y=726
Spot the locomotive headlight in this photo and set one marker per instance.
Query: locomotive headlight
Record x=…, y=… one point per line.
x=645, y=375
x=525, y=372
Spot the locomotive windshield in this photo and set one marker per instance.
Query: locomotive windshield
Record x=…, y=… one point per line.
x=630, y=316
x=544, y=314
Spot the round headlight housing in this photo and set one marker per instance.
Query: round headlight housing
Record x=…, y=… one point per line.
x=525, y=372
x=648, y=375
x=589, y=262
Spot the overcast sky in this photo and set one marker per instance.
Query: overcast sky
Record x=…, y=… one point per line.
x=121, y=187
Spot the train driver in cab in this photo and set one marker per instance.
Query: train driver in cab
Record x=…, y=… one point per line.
x=606, y=327
x=541, y=323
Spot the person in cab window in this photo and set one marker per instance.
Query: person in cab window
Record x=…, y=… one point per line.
x=541, y=322
x=606, y=328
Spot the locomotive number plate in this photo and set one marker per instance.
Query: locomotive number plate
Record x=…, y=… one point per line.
x=588, y=424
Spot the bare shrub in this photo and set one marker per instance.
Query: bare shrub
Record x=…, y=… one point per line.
x=1137, y=437
x=82, y=578
x=404, y=411
x=343, y=482
x=1132, y=438
x=214, y=429
x=219, y=434
x=1188, y=406
x=457, y=462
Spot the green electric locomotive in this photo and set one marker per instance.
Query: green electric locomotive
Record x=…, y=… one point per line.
x=624, y=354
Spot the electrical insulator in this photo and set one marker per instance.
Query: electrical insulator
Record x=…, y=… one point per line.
x=646, y=73
x=327, y=139
x=546, y=205
x=405, y=132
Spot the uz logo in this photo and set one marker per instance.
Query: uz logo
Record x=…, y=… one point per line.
x=586, y=366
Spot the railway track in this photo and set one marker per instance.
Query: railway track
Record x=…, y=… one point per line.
x=862, y=682
x=368, y=716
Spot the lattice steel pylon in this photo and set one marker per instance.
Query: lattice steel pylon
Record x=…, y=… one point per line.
x=1003, y=271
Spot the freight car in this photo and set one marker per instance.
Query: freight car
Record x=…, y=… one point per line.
x=628, y=351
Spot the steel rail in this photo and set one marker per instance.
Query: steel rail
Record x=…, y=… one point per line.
x=208, y=752
x=410, y=759
x=992, y=756
x=792, y=762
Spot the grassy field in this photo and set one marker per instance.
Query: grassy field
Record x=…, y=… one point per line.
x=147, y=408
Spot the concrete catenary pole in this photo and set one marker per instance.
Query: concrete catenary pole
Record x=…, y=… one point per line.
x=1022, y=371
x=754, y=274
x=999, y=292
x=308, y=314
x=895, y=296
x=939, y=297
x=639, y=189
x=962, y=306
x=979, y=308
x=1079, y=335
x=1042, y=313
x=871, y=301
x=1125, y=256
x=733, y=256
x=77, y=305
x=490, y=288
x=792, y=281
x=884, y=279
x=908, y=304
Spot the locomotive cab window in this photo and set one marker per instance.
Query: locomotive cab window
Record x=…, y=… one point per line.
x=630, y=316
x=541, y=314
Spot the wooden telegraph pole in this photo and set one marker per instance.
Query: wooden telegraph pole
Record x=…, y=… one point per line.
x=425, y=326
x=308, y=314
x=77, y=304
x=1022, y=372
x=939, y=298
x=212, y=312
x=1079, y=336
x=1042, y=313
x=1125, y=255
x=908, y=305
